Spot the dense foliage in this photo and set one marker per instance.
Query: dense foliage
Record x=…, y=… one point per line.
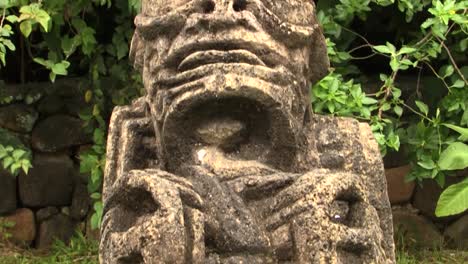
x=427, y=39
x=389, y=39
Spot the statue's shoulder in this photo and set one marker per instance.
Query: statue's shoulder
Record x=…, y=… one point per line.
x=131, y=143
x=345, y=135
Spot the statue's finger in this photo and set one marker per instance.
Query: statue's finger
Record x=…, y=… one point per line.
x=176, y=179
x=190, y=197
x=257, y=187
x=290, y=195
x=286, y=214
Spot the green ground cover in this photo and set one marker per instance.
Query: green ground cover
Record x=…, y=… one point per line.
x=85, y=251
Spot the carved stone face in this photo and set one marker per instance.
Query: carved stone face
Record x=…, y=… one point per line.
x=251, y=61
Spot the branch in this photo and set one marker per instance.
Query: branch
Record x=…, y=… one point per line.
x=3, y=17
x=454, y=63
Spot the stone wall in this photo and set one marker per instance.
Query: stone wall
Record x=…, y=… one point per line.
x=51, y=201
x=414, y=207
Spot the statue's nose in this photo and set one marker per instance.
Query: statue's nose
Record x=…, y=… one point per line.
x=222, y=6
x=218, y=15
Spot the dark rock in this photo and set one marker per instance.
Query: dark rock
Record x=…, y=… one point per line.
x=69, y=87
x=19, y=118
x=7, y=192
x=415, y=230
x=59, y=132
x=80, y=202
x=10, y=138
x=49, y=182
x=46, y=213
x=11, y=93
x=395, y=159
x=427, y=195
x=50, y=105
x=59, y=227
x=65, y=210
x=23, y=230
x=399, y=191
x=457, y=233
x=80, y=178
x=75, y=105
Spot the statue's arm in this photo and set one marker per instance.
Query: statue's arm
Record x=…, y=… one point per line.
x=149, y=217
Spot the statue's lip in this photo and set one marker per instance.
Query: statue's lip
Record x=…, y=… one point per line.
x=201, y=58
x=245, y=51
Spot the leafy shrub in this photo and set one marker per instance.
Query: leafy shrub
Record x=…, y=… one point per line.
x=13, y=154
x=433, y=44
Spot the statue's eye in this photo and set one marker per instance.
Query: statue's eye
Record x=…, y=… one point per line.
x=161, y=7
x=298, y=12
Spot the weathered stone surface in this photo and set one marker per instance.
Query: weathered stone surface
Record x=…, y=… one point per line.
x=427, y=195
x=57, y=133
x=46, y=213
x=399, y=191
x=59, y=227
x=18, y=117
x=7, y=192
x=223, y=161
x=80, y=202
x=23, y=231
x=416, y=230
x=48, y=183
x=457, y=233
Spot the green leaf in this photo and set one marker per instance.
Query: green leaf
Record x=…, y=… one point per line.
x=7, y=162
x=96, y=196
x=18, y=153
x=394, y=64
x=12, y=18
x=61, y=68
x=449, y=71
x=43, y=18
x=459, y=84
x=427, y=164
x=463, y=131
x=455, y=157
x=369, y=101
x=398, y=110
x=383, y=49
x=406, y=50
x=422, y=107
x=454, y=200
x=26, y=165
x=46, y=63
x=26, y=28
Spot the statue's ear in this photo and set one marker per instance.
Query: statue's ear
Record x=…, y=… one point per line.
x=319, y=61
x=137, y=51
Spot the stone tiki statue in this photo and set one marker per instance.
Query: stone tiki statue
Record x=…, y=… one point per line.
x=223, y=160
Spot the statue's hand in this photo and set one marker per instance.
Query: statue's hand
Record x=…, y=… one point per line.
x=311, y=190
x=325, y=202
x=144, y=218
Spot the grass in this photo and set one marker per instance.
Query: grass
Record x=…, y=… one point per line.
x=79, y=250
x=83, y=251
x=432, y=257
